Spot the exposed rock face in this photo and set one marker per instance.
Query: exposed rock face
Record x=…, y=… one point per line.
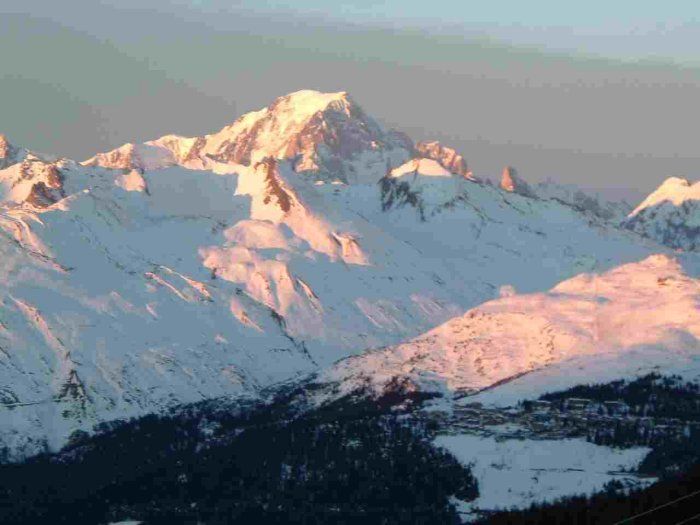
x=326, y=133
x=511, y=182
x=33, y=181
x=49, y=189
x=274, y=187
x=42, y=196
x=447, y=157
x=670, y=215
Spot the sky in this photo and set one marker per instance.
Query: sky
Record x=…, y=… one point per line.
x=598, y=94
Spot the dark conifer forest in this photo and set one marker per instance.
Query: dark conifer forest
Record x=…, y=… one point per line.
x=348, y=462
x=353, y=460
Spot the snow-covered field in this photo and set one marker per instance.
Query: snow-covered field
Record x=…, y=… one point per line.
x=515, y=473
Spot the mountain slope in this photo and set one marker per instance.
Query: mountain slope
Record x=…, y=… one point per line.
x=101, y=317
x=613, y=211
x=632, y=318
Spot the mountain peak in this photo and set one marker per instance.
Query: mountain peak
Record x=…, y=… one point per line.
x=670, y=214
x=124, y=157
x=674, y=190
x=309, y=101
x=301, y=106
x=325, y=134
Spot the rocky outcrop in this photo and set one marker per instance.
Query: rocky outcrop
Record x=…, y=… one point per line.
x=46, y=182
x=511, y=182
x=447, y=157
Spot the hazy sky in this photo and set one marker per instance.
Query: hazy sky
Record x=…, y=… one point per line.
x=600, y=94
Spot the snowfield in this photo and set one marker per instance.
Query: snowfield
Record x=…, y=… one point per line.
x=513, y=474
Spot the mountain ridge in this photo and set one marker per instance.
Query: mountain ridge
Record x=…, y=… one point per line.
x=582, y=318
x=325, y=134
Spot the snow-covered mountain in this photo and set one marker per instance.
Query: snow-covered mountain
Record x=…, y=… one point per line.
x=670, y=214
x=107, y=310
x=634, y=319
x=184, y=269
x=326, y=135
